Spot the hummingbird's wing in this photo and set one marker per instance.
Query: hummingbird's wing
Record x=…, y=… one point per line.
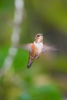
x=25, y=47
x=48, y=48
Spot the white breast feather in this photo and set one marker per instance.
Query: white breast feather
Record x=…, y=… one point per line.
x=39, y=46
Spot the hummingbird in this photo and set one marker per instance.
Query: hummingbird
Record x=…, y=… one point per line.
x=36, y=48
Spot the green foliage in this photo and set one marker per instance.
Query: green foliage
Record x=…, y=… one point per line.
x=21, y=59
x=3, y=54
x=42, y=93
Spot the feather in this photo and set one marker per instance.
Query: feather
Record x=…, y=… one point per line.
x=29, y=63
x=25, y=47
x=48, y=48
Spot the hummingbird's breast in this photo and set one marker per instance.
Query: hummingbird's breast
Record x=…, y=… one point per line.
x=38, y=47
x=36, y=50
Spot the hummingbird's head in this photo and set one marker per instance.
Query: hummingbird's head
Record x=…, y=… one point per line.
x=39, y=38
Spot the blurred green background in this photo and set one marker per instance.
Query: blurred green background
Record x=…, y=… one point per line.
x=47, y=77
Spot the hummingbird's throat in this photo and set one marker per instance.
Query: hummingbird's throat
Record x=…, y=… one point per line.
x=39, y=40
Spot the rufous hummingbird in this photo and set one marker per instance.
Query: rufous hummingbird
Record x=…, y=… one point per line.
x=36, y=48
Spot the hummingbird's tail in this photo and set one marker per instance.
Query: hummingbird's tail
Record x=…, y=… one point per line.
x=29, y=63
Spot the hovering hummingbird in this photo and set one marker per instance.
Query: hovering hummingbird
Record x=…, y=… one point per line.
x=36, y=48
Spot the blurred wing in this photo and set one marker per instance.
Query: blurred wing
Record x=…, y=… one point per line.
x=25, y=47
x=48, y=48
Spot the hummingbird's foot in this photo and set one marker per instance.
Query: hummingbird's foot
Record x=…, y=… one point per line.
x=35, y=56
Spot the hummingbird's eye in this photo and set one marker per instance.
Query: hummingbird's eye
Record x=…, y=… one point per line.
x=38, y=35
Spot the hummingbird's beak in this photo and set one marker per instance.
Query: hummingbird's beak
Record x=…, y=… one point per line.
x=44, y=34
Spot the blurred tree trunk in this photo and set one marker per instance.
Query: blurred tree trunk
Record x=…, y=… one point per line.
x=18, y=18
